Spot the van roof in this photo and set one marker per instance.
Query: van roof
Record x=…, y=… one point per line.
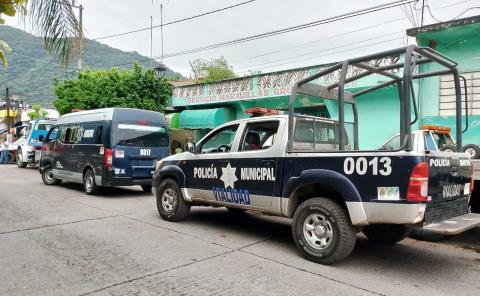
x=108, y=114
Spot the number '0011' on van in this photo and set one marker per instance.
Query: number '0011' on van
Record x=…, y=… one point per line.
x=105, y=147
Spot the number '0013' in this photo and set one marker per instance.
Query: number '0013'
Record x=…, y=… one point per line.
x=361, y=166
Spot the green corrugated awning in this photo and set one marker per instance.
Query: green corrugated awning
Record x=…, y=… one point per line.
x=173, y=119
x=205, y=118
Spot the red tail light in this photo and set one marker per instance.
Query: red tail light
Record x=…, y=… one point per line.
x=418, y=185
x=107, y=158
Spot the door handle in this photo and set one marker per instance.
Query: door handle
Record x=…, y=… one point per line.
x=267, y=162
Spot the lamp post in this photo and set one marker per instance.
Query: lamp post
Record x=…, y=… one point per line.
x=160, y=70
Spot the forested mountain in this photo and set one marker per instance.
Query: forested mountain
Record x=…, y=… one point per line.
x=31, y=69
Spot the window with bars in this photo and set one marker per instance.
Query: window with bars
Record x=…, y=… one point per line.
x=447, y=94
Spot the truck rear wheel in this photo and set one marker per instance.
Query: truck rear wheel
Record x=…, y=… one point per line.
x=170, y=203
x=386, y=234
x=20, y=162
x=322, y=231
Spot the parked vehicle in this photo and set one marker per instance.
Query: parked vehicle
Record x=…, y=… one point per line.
x=311, y=170
x=29, y=144
x=105, y=147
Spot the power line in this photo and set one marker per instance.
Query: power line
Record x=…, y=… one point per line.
x=349, y=49
x=319, y=51
x=176, y=21
x=294, y=28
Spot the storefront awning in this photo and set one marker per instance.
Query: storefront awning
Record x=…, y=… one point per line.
x=205, y=118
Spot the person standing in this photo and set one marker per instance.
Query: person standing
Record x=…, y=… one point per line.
x=3, y=151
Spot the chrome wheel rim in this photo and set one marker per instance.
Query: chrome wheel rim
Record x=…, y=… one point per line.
x=318, y=231
x=448, y=150
x=470, y=152
x=169, y=198
x=49, y=176
x=89, y=183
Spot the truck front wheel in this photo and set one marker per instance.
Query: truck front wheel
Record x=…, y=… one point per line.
x=20, y=162
x=386, y=234
x=170, y=203
x=322, y=231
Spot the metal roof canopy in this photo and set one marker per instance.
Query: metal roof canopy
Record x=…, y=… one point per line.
x=413, y=57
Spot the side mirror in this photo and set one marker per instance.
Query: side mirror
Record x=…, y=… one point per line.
x=190, y=147
x=41, y=138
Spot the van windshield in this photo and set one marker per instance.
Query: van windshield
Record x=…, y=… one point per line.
x=135, y=135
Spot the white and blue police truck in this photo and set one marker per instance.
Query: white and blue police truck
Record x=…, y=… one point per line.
x=311, y=169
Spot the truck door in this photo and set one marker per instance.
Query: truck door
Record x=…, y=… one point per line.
x=209, y=174
x=256, y=162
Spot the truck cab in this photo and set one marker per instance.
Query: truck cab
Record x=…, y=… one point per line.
x=311, y=169
x=29, y=144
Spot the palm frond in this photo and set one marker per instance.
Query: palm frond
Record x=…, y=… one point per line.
x=56, y=22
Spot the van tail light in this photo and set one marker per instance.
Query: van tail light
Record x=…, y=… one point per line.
x=418, y=184
x=107, y=158
x=472, y=181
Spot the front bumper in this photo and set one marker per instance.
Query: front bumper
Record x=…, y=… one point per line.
x=455, y=225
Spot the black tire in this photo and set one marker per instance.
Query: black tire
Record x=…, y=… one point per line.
x=472, y=150
x=423, y=235
x=147, y=188
x=11, y=157
x=331, y=218
x=170, y=203
x=449, y=148
x=20, y=162
x=48, y=178
x=386, y=234
x=89, y=185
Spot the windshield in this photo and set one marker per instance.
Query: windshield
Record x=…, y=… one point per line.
x=44, y=126
x=135, y=135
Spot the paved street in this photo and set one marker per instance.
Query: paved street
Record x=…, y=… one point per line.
x=59, y=241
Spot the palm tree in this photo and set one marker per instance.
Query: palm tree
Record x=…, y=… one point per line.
x=54, y=20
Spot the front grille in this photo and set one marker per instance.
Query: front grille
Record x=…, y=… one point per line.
x=443, y=210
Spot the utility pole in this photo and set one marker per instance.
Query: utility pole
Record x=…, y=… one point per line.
x=423, y=10
x=80, y=35
x=151, y=37
x=161, y=25
x=7, y=98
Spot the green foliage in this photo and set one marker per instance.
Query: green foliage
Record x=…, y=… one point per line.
x=94, y=89
x=31, y=70
x=37, y=112
x=212, y=70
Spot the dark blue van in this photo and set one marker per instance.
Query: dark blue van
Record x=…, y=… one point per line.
x=105, y=147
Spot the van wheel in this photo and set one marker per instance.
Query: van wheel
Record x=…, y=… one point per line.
x=449, y=148
x=89, y=184
x=20, y=162
x=170, y=203
x=386, y=234
x=147, y=188
x=48, y=178
x=322, y=231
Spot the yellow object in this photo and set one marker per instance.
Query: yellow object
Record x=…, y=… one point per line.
x=437, y=129
x=12, y=113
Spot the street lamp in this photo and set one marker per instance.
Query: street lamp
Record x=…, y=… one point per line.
x=160, y=70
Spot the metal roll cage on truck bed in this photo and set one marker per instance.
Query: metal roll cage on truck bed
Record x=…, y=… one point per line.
x=413, y=56
x=303, y=167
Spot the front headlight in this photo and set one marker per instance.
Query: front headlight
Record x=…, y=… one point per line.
x=158, y=164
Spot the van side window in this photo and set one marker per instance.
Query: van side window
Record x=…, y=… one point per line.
x=98, y=135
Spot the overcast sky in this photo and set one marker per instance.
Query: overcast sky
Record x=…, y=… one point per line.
x=316, y=45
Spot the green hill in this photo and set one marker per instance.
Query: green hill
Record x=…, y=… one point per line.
x=31, y=69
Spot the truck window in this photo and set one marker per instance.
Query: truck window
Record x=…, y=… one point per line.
x=44, y=126
x=98, y=135
x=259, y=135
x=430, y=142
x=315, y=134
x=136, y=135
x=52, y=134
x=220, y=141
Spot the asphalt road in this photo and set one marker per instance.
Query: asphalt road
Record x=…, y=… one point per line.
x=58, y=241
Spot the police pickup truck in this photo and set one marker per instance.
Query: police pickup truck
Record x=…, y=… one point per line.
x=309, y=169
